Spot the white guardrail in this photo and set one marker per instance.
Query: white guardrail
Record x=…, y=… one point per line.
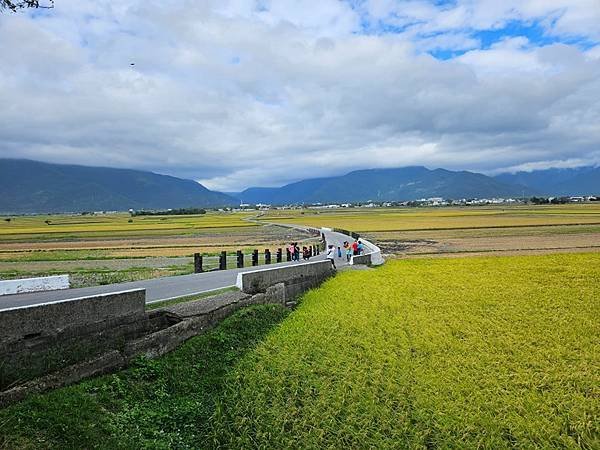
x=39, y=284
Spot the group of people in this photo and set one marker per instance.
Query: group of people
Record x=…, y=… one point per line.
x=356, y=248
x=295, y=252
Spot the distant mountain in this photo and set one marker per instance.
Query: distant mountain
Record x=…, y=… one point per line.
x=577, y=181
x=37, y=187
x=407, y=183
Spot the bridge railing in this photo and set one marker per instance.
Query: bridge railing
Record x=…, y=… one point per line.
x=240, y=259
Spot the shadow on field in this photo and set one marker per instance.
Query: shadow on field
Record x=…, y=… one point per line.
x=162, y=403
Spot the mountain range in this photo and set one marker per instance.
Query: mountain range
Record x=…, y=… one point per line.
x=411, y=183
x=36, y=187
x=406, y=183
x=575, y=181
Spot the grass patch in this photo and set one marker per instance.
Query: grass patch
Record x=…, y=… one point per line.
x=163, y=403
x=456, y=353
x=190, y=298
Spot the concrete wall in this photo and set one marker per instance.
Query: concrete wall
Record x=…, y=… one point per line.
x=34, y=284
x=297, y=279
x=49, y=318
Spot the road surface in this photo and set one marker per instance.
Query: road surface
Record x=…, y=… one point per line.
x=160, y=289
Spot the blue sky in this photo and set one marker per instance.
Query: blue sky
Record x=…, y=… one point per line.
x=237, y=93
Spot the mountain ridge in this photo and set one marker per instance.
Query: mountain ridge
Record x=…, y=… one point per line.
x=396, y=184
x=554, y=181
x=28, y=186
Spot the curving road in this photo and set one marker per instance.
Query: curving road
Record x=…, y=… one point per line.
x=160, y=289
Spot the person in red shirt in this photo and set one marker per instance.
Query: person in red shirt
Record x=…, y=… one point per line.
x=355, y=247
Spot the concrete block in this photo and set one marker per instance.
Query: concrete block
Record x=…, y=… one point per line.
x=361, y=259
x=50, y=318
x=38, y=284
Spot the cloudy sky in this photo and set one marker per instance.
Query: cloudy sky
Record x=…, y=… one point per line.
x=238, y=93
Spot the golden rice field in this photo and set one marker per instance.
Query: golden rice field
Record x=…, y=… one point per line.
x=414, y=219
x=446, y=353
x=116, y=225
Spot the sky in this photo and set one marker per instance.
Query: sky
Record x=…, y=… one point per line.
x=239, y=93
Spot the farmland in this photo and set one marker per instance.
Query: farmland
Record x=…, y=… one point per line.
x=102, y=249
x=463, y=231
x=487, y=352
x=418, y=219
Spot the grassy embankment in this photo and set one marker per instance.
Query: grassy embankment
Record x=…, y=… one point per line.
x=458, y=353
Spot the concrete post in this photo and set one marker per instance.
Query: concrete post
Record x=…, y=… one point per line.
x=255, y=257
x=267, y=256
x=240, y=259
x=279, y=255
x=288, y=255
x=223, y=261
x=198, y=263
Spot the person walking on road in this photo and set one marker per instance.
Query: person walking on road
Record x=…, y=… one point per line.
x=305, y=253
x=292, y=249
x=331, y=255
x=348, y=248
x=360, y=248
x=355, y=248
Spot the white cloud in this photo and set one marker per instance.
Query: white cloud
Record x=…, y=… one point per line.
x=240, y=93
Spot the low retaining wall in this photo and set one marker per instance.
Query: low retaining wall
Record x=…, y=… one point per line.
x=297, y=279
x=51, y=283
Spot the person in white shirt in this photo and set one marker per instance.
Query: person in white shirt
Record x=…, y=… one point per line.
x=331, y=255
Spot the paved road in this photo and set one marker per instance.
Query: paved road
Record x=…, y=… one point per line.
x=159, y=289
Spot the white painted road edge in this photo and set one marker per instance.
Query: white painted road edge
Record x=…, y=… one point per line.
x=39, y=284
